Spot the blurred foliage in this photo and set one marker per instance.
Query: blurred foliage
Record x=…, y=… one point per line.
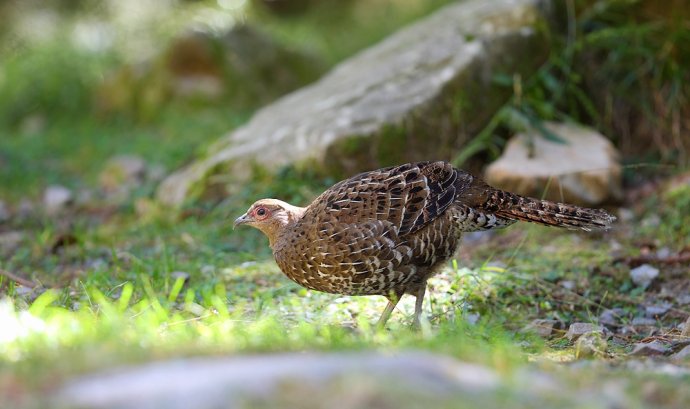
x=622, y=67
x=667, y=217
x=84, y=80
x=47, y=83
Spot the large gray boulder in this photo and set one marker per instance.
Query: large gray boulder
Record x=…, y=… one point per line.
x=419, y=94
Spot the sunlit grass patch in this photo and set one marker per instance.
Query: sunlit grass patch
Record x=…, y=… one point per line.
x=87, y=329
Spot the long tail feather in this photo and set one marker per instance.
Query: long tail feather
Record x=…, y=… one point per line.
x=552, y=213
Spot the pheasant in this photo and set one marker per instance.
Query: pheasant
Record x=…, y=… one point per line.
x=385, y=232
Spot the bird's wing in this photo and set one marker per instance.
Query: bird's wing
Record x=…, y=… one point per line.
x=347, y=258
x=409, y=196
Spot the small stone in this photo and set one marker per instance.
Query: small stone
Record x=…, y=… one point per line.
x=625, y=215
x=176, y=275
x=567, y=284
x=84, y=197
x=23, y=291
x=590, y=344
x=644, y=322
x=654, y=348
x=10, y=242
x=472, y=318
x=658, y=310
x=682, y=355
x=541, y=327
x=4, y=212
x=25, y=209
x=683, y=299
x=643, y=275
x=123, y=170
x=96, y=264
x=611, y=317
x=208, y=270
x=663, y=252
x=56, y=198
x=578, y=329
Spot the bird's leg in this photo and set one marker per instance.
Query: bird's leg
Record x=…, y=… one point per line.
x=418, y=305
x=393, y=299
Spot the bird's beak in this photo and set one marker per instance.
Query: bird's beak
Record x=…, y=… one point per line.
x=244, y=219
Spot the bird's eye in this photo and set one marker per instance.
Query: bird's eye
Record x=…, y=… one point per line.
x=261, y=212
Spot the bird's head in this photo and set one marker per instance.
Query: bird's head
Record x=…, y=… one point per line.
x=270, y=216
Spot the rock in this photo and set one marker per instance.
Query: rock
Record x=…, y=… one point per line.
x=235, y=382
x=25, y=209
x=578, y=329
x=56, y=199
x=657, y=310
x=590, y=345
x=654, y=348
x=543, y=328
x=418, y=94
x=643, y=275
x=686, y=328
x=4, y=212
x=682, y=355
x=584, y=170
x=663, y=253
x=568, y=284
x=611, y=317
x=683, y=299
x=123, y=170
x=176, y=275
x=644, y=322
x=10, y=242
x=156, y=173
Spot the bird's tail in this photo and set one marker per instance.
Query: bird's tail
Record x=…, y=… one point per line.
x=548, y=213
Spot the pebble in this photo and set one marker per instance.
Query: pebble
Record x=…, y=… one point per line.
x=682, y=355
x=56, y=198
x=654, y=348
x=643, y=275
x=4, y=212
x=543, y=328
x=652, y=311
x=644, y=322
x=683, y=299
x=176, y=275
x=590, y=344
x=10, y=241
x=611, y=317
x=578, y=329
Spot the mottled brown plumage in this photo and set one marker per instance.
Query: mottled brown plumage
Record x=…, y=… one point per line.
x=385, y=232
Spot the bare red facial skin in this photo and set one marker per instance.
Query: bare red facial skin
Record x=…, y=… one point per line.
x=261, y=213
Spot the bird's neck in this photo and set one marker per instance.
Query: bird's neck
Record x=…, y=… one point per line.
x=278, y=231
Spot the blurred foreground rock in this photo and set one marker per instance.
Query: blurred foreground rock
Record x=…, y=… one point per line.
x=584, y=169
x=307, y=380
x=419, y=94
